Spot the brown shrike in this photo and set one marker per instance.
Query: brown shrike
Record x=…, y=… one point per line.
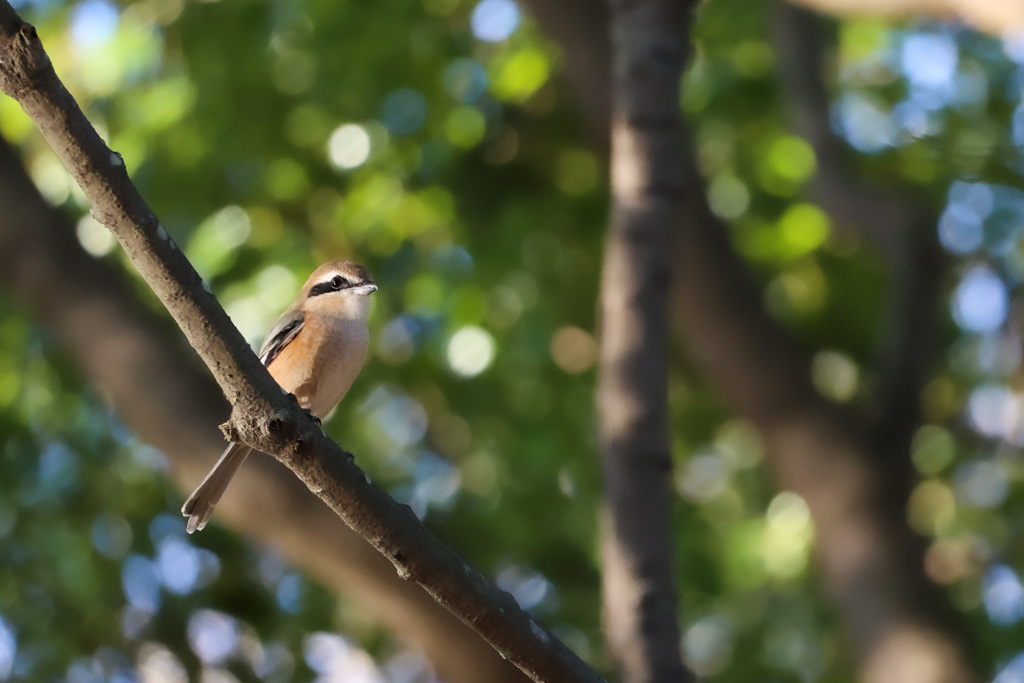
x=314, y=351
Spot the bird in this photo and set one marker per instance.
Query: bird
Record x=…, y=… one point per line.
x=314, y=351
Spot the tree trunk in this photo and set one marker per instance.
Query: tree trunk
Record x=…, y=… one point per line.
x=649, y=51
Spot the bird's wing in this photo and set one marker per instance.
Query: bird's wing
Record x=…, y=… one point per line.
x=281, y=334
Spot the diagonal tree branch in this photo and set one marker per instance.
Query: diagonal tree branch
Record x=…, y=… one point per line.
x=649, y=51
x=262, y=415
x=125, y=350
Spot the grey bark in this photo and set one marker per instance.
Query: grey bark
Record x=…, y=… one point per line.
x=649, y=51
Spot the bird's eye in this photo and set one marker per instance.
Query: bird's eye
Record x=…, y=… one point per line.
x=337, y=282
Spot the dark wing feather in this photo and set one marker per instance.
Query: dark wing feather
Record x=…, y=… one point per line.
x=281, y=334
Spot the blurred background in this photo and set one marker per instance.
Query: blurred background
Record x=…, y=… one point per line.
x=456, y=148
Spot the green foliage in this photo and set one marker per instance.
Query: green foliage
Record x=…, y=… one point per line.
x=272, y=136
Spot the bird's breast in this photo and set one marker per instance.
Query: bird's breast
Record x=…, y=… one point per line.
x=321, y=363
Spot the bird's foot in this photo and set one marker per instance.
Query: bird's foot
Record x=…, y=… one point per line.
x=314, y=418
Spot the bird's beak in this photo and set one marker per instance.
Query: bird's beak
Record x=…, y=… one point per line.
x=366, y=288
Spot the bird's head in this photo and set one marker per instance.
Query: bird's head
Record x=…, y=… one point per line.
x=339, y=288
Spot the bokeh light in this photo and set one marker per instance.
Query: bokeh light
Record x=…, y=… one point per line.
x=8, y=649
x=289, y=593
x=834, y=375
x=396, y=342
x=1012, y=672
x=400, y=417
x=526, y=585
x=141, y=584
x=981, y=301
x=465, y=80
x=708, y=644
x=960, y=229
x=348, y=146
x=494, y=20
x=993, y=410
x=111, y=535
x=933, y=449
x=704, y=476
x=789, y=532
x=213, y=636
x=802, y=228
x=94, y=237
x=932, y=507
x=1003, y=595
x=157, y=664
x=470, y=351
x=214, y=244
x=338, y=661
x=982, y=215
x=929, y=60
x=435, y=484
x=93, y=23
x=465, y=127
x=50, y=177
x=865, y=123
x=178, y=566
x=404, y=112
x=520, y=75
x=728, y=196
x=981, y=484
x=786, y=162
x=573, y=349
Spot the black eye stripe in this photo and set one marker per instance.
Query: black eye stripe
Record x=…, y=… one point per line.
x=329, y=286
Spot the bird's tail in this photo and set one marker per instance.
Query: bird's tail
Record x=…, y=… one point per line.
x=199, y=505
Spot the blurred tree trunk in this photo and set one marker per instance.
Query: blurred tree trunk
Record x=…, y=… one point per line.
x=126, y=350
x=649, y=49
x=871, y=562
x=853, y=470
